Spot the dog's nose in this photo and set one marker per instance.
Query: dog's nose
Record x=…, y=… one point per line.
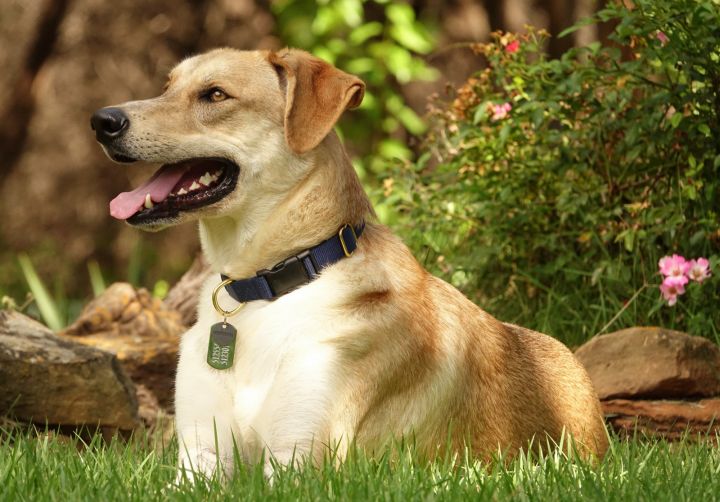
x=109, y=123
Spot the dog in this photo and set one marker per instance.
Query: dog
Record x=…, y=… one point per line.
x=363, y=348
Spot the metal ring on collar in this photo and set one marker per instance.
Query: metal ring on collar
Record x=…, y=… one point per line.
x=216, y=304
x=342, y=239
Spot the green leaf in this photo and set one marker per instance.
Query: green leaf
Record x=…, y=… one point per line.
x=580, y=24
x=363, y=32
x=394, y=149
x=480, y=113
x=412, y=38
x=359, y=66
x=411, y=121
x=676, y=119
x=325, y=20
x=400, y=13
x=406, y=31
x=351, y=11
x=398, y=61
x=594, y=47
x=629, y=241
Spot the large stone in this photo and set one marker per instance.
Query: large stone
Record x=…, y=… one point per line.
x=47, y=379
x=671, y=420
x=652, y=363
x=140, y=330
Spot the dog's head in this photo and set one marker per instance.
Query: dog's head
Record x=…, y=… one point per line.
x=230, y=126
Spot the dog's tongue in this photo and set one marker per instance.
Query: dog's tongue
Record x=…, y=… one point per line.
x=159, y=187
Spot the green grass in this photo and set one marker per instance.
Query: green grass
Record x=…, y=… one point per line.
x=39, y=467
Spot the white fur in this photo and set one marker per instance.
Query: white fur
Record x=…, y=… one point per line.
x=281, y=388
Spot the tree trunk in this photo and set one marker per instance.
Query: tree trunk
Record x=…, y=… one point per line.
x=20, y=104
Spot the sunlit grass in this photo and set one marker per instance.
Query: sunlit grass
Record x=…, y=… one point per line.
x=48, y=467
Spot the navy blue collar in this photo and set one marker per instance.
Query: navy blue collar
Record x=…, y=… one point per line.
x=297, y=270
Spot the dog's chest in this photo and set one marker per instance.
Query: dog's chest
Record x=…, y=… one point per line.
x=283, y=361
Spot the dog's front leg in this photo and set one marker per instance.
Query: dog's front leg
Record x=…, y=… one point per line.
x=203, y=422
x=203, y=453
x=294, y=424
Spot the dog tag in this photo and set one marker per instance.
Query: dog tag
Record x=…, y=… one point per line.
x=221, y=349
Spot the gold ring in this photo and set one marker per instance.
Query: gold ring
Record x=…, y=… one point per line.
x=218, y=308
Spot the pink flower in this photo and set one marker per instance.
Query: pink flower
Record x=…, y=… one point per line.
x=664, y=39
x=673, y=266
x=698, y=270
x=500, y=111
x=512, y=47
x=672, y=287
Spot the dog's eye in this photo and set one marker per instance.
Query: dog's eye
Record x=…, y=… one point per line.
x=214, y=95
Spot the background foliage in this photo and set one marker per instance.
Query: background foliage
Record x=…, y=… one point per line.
x=554, y=214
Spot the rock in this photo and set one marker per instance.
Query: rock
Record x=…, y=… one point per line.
x=652, y=363
x=671, y=420
x=183, y=297
x=48, y=379
x=140, y=330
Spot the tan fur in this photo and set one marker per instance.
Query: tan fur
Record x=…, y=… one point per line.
x=317, y=94
x=401, y=352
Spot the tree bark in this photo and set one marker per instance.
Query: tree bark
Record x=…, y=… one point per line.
x=561, y=16
x=20, y=104
x=496, y=14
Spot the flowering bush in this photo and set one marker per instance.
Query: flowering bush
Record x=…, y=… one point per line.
x=677, y=272
x=555, y=185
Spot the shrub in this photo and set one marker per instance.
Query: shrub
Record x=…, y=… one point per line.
x=560, y=183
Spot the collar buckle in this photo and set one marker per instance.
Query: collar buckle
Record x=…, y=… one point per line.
x=287, y=275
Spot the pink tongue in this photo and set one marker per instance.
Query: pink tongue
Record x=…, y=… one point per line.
x=159, y=187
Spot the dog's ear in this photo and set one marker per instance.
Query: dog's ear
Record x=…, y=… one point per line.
x=316, y=94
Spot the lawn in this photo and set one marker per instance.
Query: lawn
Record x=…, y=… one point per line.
x=41, y=467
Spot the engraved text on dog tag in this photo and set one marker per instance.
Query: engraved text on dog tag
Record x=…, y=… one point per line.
x=221, y=349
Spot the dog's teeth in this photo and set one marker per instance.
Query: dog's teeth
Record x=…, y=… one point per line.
x=194, y=186
x=206, y=179
x=148, y=202
x=182, y=191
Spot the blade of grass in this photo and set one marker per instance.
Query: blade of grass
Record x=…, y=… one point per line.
x=96, y=278
x=136, y=263
x=47, y=306
x=623, y=309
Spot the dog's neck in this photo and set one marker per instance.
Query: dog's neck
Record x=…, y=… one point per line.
x=329, y=196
